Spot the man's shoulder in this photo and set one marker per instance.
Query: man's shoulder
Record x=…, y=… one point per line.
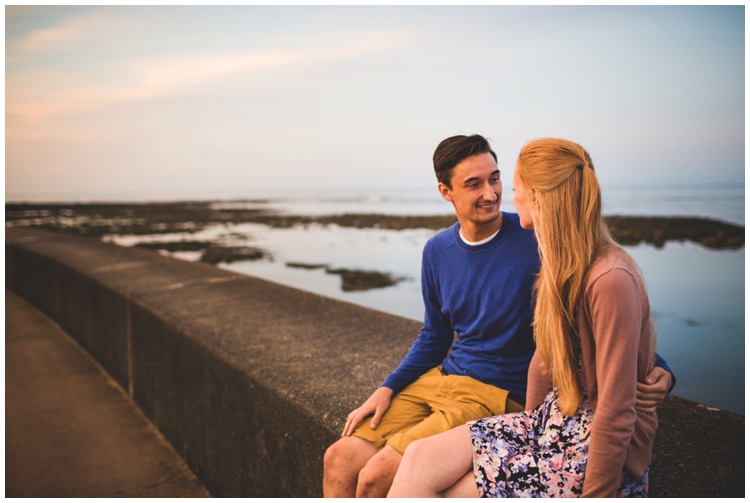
x=441, y=241
x=517, y=232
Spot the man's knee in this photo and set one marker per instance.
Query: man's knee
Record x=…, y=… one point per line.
x=348, y=454
x=337, y=456
x=341, y=465
x=376, y=477
x=373, y=482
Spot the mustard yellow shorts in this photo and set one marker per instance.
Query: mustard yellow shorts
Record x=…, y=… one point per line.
x=435, y=403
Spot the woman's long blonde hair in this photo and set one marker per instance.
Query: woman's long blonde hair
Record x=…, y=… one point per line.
x=568, y=223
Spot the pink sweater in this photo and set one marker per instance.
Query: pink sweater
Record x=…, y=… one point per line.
x=616, y=335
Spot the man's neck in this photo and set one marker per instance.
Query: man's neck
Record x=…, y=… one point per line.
x=474, y=232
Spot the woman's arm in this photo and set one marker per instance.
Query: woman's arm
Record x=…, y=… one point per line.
x=615, y=308
x=539, y=382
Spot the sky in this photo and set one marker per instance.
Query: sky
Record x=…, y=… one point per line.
x=131, y=101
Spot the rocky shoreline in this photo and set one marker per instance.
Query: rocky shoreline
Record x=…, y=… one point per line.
x=97, y=220
x=629, y=231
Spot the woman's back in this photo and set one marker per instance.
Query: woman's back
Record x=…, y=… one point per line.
x=617, y=347
x=614, y=320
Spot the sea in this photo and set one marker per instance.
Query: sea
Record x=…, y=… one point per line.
x=697, y=294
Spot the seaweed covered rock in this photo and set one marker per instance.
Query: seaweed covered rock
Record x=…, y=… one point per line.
x=630, y=231
x=356, y=280
x=229, y=254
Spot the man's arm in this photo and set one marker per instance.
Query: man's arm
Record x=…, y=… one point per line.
x=659, y=383
x=662, y=363
x=428, y=351
x=435, y=338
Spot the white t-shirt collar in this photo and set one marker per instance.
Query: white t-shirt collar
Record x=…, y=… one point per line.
x=477, y=243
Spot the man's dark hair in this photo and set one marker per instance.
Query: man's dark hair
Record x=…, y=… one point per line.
x=455, y=149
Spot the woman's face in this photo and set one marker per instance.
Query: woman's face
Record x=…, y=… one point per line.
x=522, y=200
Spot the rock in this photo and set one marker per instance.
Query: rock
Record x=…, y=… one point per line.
x=229, y=254
x=356, y=280
x=630, y=231
x=176, y=246
x=301, y=265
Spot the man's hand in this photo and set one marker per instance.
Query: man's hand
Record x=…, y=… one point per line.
x=377, y=404
x=651, y=394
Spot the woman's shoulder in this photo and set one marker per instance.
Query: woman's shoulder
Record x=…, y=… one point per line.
x=613, y=269
x=614, y=284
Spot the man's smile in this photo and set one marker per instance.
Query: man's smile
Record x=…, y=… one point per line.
x=487, y=205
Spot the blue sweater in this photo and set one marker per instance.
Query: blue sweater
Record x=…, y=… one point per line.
x=483, y=294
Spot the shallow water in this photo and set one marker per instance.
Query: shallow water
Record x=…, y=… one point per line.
x=398, y=253
x=698, y=301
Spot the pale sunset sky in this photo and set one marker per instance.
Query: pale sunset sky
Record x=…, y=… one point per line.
x=199, y=101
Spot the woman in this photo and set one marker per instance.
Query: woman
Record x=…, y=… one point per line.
x=595, y=341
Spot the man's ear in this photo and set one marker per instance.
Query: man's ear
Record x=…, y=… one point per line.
x=445, y=191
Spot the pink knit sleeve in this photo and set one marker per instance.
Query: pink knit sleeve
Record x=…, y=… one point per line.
x=539, y=382
x=615, y=307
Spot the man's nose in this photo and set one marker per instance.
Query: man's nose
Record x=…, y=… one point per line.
x=488, y=194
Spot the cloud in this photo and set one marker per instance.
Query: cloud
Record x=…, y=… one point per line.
x=34, y=97
x=74, y=31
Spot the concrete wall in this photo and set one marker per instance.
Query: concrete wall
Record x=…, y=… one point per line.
x=250, y=380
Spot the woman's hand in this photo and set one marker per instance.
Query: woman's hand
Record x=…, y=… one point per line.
x=651, y=394
x=377, y=404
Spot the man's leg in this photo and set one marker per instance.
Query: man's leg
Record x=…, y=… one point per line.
x=341, y=466
x=376, y=477
x=453, y=400
x=346, y=458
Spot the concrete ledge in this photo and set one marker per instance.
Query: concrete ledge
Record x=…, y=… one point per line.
x=249, y=380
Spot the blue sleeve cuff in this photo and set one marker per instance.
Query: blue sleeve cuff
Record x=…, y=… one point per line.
x=661, y=362
x=395, y=383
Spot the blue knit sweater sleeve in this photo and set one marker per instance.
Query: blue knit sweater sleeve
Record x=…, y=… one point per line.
x=661, y=362
x=433, y=342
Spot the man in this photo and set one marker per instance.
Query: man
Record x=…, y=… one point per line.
x=472, y=356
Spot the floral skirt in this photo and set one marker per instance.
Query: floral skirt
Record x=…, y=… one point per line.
x=538, y=453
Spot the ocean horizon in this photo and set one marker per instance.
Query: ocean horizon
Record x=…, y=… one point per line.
x=724, y=202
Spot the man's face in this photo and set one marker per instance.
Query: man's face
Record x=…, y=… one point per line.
x=476, y=189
